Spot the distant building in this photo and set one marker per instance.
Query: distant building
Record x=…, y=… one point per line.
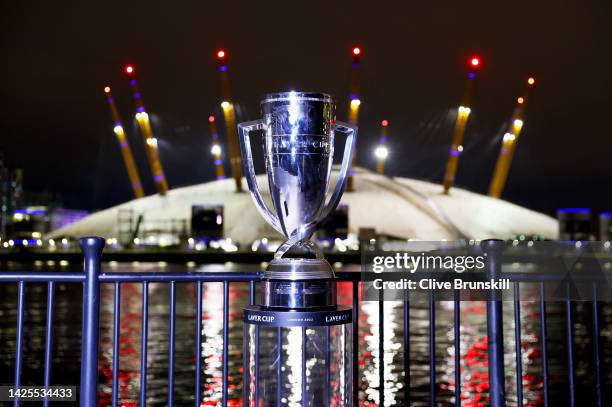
x=11, y=193
x=401, y=208
x=29, y=215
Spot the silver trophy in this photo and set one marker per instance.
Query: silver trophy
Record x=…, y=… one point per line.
x=299, y=129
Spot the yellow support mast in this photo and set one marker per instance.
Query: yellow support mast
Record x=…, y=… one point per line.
x=354, y=103
x=382, y=152
x=509, y=140
x=229, y=114
x=126, y=152
x=150, y=142
x=463, y=114
x=216, y=148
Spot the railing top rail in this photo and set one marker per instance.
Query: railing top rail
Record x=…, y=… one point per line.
x=181, y=277
x=41, y=277
x=246, y=276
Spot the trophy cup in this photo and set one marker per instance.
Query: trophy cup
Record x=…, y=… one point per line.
x=298, y=301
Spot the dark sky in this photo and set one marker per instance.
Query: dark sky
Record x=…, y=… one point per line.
x=58, y=55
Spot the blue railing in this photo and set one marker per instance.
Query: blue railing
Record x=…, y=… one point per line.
x=92, y=277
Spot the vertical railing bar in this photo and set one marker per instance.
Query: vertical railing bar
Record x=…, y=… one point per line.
x=198, y=390
x=518, y=344
x=457, y=334
x=116, y=340
x=19, y=338
x=225, y=341
x=279, y=361
x=406, y=349
x=171, y=338
x=256, y=364
x=495, y=333
x=328, y=366
x=90, y=335
x=570, y=345
x=252, y=302
x=356, y=343
x=544, y=343
x=49, y=337
x=143, y=343
x=252, y=292
x=304, y=382
x=381, y=349
x=432, y=349
x=596, y=348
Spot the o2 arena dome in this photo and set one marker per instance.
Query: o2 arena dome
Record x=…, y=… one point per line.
x=401, y=208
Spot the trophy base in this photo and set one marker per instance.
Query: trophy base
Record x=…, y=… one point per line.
x=299, y=283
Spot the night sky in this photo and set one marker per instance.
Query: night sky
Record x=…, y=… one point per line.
x=57, y=56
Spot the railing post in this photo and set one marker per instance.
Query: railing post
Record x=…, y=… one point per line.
x=92, y=251
x=497, y=390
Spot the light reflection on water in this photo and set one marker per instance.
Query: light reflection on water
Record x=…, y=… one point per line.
x=473, y=345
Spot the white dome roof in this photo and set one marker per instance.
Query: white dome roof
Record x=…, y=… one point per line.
x=401, y=207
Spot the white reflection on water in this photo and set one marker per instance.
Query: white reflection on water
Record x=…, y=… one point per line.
x=252, y=366
x=391, y=382
x=294, y=364
x=212, y=341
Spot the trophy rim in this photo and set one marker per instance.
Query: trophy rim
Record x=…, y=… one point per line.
x=293, y=95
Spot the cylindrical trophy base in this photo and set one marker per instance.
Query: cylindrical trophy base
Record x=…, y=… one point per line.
x=297, y=357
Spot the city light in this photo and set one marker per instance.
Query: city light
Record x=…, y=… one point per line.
x=475, y=62
x=465, y=110
x=142, y=116
x=152, y=141
x=107, y=89
x=355, y=103
x=356, y=51
x=118, y=129
x=211, y=118
x=531, y=80
x=520, y=100
x=385, y=123
x=460, y=148
x=129, y=69
x=216, y=149
x=381, y=152
x=221, y=54
x=518, y=123
x=225, y=105
x=509, y=137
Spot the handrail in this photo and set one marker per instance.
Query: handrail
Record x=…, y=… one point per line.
x=92, y=277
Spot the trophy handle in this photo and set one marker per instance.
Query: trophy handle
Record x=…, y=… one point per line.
x=347, y=159
x=247, y=163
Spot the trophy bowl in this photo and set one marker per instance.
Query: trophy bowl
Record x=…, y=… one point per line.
x=299, y=130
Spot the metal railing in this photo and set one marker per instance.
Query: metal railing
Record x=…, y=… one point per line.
x=92, y=277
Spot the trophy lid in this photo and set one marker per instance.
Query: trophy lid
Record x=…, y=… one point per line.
x=293, y=95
